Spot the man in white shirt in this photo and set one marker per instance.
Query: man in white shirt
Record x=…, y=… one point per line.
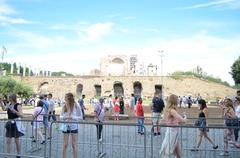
x=110, y=103
x=51, y=108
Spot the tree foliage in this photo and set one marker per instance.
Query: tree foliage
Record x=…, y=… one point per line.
x=202, y=75
x=235, y=71
x=9, y=85
x=61, y=73
x=7, y=67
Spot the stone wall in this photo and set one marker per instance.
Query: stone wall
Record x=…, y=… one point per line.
x=58, y=86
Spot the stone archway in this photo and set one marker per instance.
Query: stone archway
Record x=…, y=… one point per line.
x=117, y=67
x=118, y=89
x=43, y=88
x=79, y=89
x=137, y=89
x=98, y=90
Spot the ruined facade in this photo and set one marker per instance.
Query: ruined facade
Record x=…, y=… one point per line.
x=144, y=86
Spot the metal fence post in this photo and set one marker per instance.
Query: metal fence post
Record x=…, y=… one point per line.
x=145, y=142
x=152, y=131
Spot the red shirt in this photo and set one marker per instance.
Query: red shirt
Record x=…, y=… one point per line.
x=139, y=110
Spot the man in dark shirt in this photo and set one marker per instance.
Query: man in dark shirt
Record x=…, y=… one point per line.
x=82, y=105
x=157, y=108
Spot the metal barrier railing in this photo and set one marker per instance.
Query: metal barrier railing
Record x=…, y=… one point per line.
x=188, y=137
x=120, y=139
x=27, y=146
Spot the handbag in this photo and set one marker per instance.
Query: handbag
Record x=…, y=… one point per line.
x=200, y=122
x=231, y=122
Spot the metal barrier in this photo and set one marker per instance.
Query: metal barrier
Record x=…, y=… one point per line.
x=188, y=135
x=120, y=140
x=28, y=147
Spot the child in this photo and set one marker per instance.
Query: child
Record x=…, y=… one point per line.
x=116, y=108
x=140, y=116
x=38, y=119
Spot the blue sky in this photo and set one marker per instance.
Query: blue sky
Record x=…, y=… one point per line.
x=73, y=35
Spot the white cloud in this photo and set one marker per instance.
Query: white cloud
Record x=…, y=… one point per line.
x=6, y=13
x=126, y=30
x=5, y=9
x=72, y=62
x=129, y=18
x=227, y=4
x=10, y=20
x=214, y=54
x=113, y=16
x=96, y=32
x=155, y=30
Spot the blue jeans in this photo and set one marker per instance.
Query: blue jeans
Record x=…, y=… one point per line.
x=140, y=125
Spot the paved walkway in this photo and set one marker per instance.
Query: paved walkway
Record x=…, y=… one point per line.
x=119, y=142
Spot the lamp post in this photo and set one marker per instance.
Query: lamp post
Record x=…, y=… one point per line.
x=160, y=53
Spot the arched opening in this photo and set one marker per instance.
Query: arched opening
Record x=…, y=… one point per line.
x=118, y=89
x=43, y=88
x=98, y=90
x=117, y=61
x=79, y=90
x=158, y=90
x=137, y=89
x=117, y=67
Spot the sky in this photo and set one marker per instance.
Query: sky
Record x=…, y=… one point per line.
x=73, y=35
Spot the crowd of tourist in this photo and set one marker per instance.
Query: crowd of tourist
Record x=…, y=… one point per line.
x=74, y=111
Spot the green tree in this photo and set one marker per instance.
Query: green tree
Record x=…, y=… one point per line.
x=235, y=71
x=61, y=73
x=202, y=75
x=9, y=85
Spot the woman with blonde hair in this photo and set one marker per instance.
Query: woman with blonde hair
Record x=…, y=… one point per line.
x=71, y=111
x=229, y=116
x=170, y=145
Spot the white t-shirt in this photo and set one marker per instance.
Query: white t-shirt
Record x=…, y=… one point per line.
x=51, y=105
x=38, y=113
x=237, y=111
x=110, y=103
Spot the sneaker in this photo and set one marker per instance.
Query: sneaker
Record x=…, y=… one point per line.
x=43, y=142
x=100, y=140
x=155, y=134
x=34, y=141
x=142, y=133
x=224, y=154
x=159, y=133
x=215, y=147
